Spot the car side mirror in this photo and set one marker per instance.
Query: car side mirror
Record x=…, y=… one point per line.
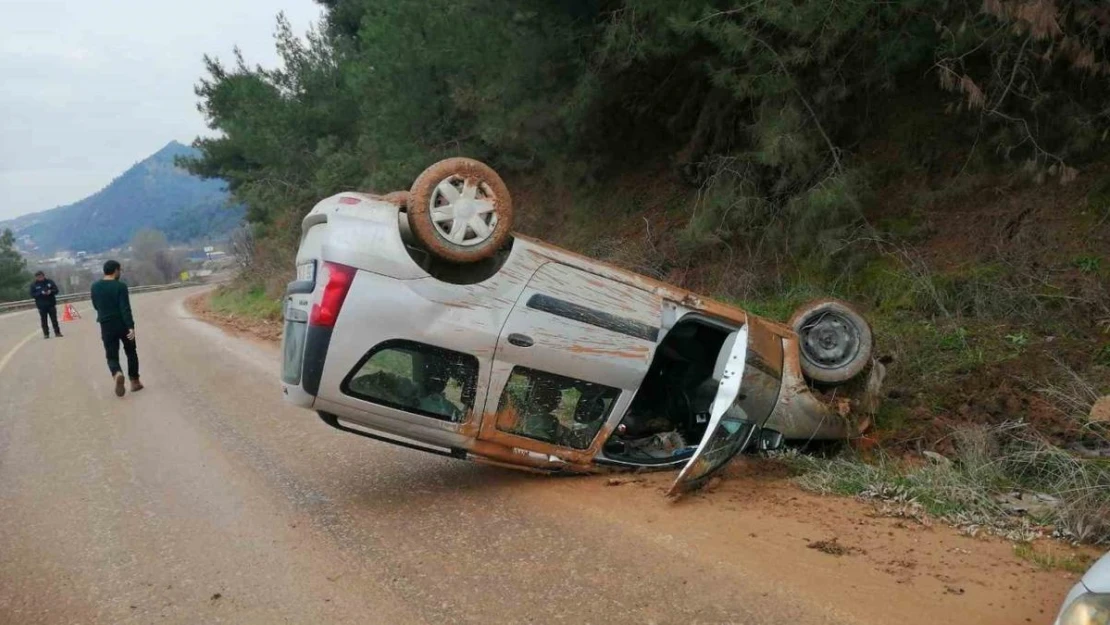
x=770, y=440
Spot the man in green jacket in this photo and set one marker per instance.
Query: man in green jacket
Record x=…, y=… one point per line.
x=113, y=313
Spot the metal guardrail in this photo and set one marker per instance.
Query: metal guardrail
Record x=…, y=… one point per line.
x=80, y=297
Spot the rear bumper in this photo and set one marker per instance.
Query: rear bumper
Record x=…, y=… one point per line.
x=303, y=394
x=317, y=342
x=296, y=396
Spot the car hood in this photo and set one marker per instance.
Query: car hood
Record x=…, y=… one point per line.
x=1097, y=578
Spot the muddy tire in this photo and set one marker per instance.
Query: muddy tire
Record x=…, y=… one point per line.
x=834, y=341
x=460, y=210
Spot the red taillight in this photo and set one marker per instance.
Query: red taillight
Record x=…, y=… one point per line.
x=339, y=279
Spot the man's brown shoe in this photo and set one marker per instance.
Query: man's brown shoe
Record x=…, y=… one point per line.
x=136, y=385
x=120, y=389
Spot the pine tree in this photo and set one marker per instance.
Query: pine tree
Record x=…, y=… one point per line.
x=14, y=279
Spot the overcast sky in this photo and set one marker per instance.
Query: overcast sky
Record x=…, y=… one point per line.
x=90, y=87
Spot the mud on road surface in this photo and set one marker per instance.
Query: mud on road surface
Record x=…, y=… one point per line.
x=840, y=553
x=206, y=499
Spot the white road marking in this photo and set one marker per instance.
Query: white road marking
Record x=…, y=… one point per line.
x=11, y=354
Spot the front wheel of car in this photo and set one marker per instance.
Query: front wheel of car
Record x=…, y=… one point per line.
x=460, y=210
x=835, y=341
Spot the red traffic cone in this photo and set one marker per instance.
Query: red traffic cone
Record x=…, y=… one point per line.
x=69, y=313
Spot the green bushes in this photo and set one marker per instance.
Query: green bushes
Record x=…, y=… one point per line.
x=761, y=104
x=248, y=302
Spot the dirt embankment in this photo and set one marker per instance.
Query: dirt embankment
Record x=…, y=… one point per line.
x=260, y=329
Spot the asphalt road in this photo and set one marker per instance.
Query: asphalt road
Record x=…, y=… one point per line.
x=206, y=499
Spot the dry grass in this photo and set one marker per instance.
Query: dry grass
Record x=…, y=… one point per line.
x=638, y=255
x=1081, y=486
x=1050, y=557
x=1070, y=496
x=1074, y=395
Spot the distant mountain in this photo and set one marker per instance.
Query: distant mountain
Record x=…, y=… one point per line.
x=154, y=193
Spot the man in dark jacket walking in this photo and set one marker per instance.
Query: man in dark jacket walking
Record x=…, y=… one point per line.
x=45, y=294
x=113, y=312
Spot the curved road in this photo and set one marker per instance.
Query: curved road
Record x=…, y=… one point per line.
x=205, y=499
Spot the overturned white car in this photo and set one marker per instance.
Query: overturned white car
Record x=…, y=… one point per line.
x=418, y=318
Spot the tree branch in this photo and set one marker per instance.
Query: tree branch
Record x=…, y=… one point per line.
x=1013, y=75
x=833, y=150
x=728, y=12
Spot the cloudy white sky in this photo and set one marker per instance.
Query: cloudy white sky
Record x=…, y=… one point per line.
x=90, y=87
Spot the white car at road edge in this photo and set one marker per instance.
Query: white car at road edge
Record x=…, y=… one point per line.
x=419, y=319
x=1088, y=603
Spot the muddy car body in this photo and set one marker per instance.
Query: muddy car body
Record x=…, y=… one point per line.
x=536, y=357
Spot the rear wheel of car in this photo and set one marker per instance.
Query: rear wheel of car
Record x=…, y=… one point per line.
x=835, y=341
x=460, y=210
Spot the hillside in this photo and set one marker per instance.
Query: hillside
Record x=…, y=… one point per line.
x=154, y=193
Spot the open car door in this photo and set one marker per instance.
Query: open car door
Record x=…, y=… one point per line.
x=729, y=430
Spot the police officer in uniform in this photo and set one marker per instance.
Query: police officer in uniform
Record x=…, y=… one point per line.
x=45, y=294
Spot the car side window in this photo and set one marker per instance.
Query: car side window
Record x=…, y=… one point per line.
x=422, y=379
x=553, y=408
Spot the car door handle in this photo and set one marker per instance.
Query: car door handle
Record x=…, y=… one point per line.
x=521, y=340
